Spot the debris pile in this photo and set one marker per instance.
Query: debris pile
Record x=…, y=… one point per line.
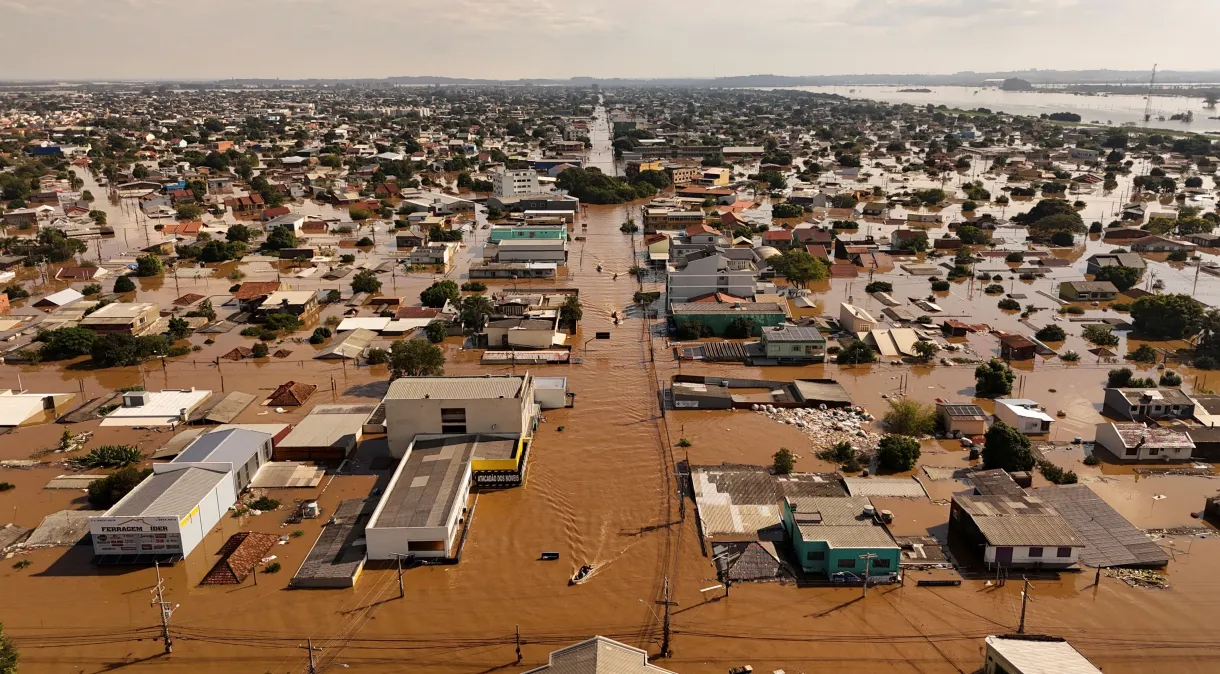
x=827, y=427
x=1140, y=577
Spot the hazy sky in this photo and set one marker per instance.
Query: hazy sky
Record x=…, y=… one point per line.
x=507, y=39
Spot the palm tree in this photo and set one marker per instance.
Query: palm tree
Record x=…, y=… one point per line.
x=475, y=308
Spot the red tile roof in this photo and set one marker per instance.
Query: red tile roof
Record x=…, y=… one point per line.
x=255, y=289
x=417, y=312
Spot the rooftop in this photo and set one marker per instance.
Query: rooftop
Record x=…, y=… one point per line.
x=1042, y=655
x=1135, y=434
x=456, y=388
x=726, y=308
x=599, y=655
x=235, y=445
x=1154, y=396
x=425, y=488
x=840, y=522
x=174, y=493
x=961, y=411
x=792, y=333
x=1013, y=520
x=741, y=501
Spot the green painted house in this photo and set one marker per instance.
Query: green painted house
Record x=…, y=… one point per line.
x=717, y=316
x=527, y=231
x=792, y=343
x=830, y=535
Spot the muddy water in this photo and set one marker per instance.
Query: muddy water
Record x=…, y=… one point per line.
x=599, y=491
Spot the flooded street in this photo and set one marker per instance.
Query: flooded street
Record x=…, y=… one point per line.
x=602, y=489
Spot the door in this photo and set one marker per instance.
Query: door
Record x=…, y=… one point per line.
x=1003, y=556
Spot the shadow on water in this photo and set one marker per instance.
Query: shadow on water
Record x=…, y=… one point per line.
x=78, y=561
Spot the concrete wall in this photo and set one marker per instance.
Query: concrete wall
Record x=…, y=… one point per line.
x=1021, y=557
x=386, y=542
x=407, y=418
x=1023, y=424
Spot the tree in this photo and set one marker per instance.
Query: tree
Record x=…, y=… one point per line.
x=897, y=453
x=365, y=281
x=973, y=236
x=149, y=265
x=280, y=237
x=440, y=292
x=1101, y=335
x=8, y=654
x=178, y=328
x=783, y=462
x=219, y=251
x=739, y=328
x=787, y=210
x=914, y=243
x=259, y=350
x=116, y=350
x=1143, y=354
x=1167, y=316
x=108, y=491
x=908, y=416
x=799, y=267
x=189, y=211
x=1051, y=333
x=475, y=308
x=1123, y=278
x=857, y=352
x=1006, y=448
x=320, y=334
x=91, y=290
x=571, y=312
x=879, y=287
x=124, y=284
x=1062, y=238
x=416, y=358
x=436, y=332
x=64, y=343
x=925, y=351
x=993, y=379
x=282, y=321
x=239, y=232
x=98, y=217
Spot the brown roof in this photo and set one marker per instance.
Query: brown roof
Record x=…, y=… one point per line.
x=188, y=299
x=817, y=250
x=844, y=271
x=291, y=394
x=239, y=557
x=254, y=289
x=1016, y=342
x=237, y=353
x=417, y=312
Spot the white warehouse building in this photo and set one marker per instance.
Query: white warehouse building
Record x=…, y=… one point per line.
x=172, y=510
x=456, y=406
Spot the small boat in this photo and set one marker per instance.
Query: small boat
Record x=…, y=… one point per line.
x=549, y=556
x=582, y=574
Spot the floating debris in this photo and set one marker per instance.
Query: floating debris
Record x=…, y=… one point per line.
x=1140, y=577
x=827, y=427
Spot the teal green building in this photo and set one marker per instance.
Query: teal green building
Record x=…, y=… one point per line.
x=505, y=232
x=717, y=316
x=831, y=535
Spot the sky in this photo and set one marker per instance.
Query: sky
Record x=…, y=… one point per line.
x=509, y=39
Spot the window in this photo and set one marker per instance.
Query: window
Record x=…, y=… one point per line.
x=815, y=555
x=1154, y=451
x=453, y=420
x=1035, y=552
x=1065, y=552
x=880, y=563
x=1132, y=451
x=848, y=563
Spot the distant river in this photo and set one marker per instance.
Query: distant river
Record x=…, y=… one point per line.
x=1111, y=109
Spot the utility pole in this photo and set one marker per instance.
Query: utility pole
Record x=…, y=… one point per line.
x=402, y=593
x=518, y=643
x=1024, y=600
x=165, y=609
x=665, y=634
x=868, y=561
x=309, y=647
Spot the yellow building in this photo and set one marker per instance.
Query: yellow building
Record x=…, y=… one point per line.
x=715, y=177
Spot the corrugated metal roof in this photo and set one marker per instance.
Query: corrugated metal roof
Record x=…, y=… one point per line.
x=350, y=345
x=455, y=388
x=599, y=655
x=235, y=445
x=743, y=500
x=325, y=430
x=175, y=493
x=1012, y=520
x=1109, y=539
x=424, y=490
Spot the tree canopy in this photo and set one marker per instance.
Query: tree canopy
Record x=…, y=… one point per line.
x=1167, y=316
x=416, y=358
x=897, y=453
x=1006, y=448
x=439, y=292
x=992, y=379
x=799, y=267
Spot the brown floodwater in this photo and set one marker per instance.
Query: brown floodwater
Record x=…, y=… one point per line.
x=601, y=491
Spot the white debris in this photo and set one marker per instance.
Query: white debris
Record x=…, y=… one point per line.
x=827, y=427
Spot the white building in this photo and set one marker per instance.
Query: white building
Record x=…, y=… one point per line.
x=172, y=510
x=156, y=408
x=17, y=408
x=712, y=274
x=854, y=319
x=424, y=504
x=458, y=405
x=1133, y=441
x=1024, y=415
x=508, y=182
x=1018, y=654
x=598, y=655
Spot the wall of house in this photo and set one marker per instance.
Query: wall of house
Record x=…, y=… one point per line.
x=705, y=276
x=1021, y=556
x=811, y=351
x=384, y=543
x=1023, y=424
x=407, y=418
